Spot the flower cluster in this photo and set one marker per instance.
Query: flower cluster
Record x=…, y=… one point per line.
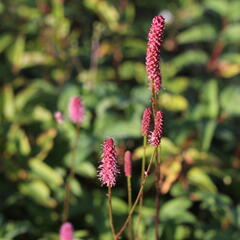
x=146, y=120
x=156, y=135
x=66, y=231
x=76, y=110
x=155, y=37
x=108, y=169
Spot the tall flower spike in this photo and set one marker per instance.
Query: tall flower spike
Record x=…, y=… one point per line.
x=127, y=164
x=66, y=231
x=146, y=120
x=156, y=135
x=155, y=37
x=108, y=169
x=76, y=110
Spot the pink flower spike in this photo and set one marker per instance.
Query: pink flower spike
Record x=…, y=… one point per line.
x=155, y=37
x=58, y=117
x=156, y=135
x=108, y=169
x=127, y=164
x=146, y=120
x=66, y=231
x=76, y=110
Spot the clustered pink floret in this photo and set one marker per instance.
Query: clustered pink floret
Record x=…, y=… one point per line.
x=146, y=120
x=156, y=135
x=76, y=110
x=108, y=169
x=66, y=231
x=155, y=38
x=127, y=164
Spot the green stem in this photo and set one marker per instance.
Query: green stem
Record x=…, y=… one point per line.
x=137, y=199
x=110, y=211
x=158, y=193
x=70, y=177
x=130, y=229
x=142, y=176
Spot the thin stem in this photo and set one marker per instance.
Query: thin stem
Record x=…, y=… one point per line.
x=110, y=211
x=142, y=176
x=157, y=201
x=130, y=230
x=137, y=199
x=70, y=177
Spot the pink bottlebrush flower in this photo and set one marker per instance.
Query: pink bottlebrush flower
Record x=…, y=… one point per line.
x=108, y=169
x=155, y=37
x=58, y=117
x=127, y=164
x=156, y=135
x=76, y=110
x=66, y=231
x=146, y=120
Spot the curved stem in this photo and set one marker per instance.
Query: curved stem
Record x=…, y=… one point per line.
x=137, y=199
x=110, y=211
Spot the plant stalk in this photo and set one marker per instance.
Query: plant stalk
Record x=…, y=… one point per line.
x=137, y=199
x=110, y=211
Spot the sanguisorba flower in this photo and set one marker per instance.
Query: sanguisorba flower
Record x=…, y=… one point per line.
x=58, y=117
x=66, y=231
x=146, y=120
x=156, y=135
x=155, y=37
x=108, y=169
x=76, y=110
x=127, y=164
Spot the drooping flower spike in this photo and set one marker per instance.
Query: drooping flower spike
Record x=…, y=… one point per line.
x=156, y=135
x=155, y=38
x=127, y=164
x=76, y=110
x=108, y=169
x=66, y=231
x=146, y=120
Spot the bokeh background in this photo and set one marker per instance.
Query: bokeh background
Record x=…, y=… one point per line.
x=52, y=50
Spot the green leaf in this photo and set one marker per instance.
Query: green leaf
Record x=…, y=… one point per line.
x=8, y=102
x=200, y=33
x=230, y=98
x=208, y=133
x=16, y=51
x=46, y=173
x=38, y=191
x=86, y=169
x=176, y=210
x=232, y=33
x=190, y=57
x=173, y=102
x=5, y=41
x=119, y=206
x=198, y=177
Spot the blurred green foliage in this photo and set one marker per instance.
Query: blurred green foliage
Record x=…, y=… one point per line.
x=54, y=49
